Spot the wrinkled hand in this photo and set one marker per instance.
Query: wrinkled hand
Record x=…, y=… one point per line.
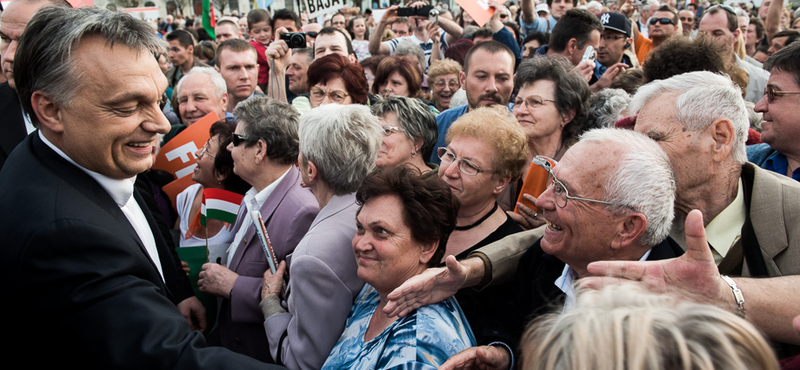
x=608, y=77
x=483, y=358
x=217, y=280
x=693, y=274
x=431, y=286
x=273, y=284
x=527, y=218
x=586, y=69
x=194, y=312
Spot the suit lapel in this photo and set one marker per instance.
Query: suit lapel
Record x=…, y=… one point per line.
x=13, y=125
x=83, y=183
x=269, y=207
x=766, y=215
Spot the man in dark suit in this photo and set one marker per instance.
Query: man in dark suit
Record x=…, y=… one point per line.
x=91, y=283
x=13, y=21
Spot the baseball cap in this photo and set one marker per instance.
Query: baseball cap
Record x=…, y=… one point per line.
x=616, y=22
x=542, y=8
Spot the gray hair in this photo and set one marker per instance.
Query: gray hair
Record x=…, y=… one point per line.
x=411, y=48
x=643, y=181
x=44, y=65
x=703, y=97
x=624, y=326
x=414, y=118
x=606, y=107
x=216, y=78
x=273, y=121
x=343, y=142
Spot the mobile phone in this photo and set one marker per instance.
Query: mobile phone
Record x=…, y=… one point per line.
x=410, y=12
x=589, y=54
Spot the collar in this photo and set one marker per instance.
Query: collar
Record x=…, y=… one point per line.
x=119, y=190
x=566, y=282
x=255, y=200
x=725, y=229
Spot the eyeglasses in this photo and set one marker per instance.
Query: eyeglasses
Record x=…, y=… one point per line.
x=388, y=130
x=559, y=190
x=612, y=37
x=442, y=83
x=237, y=139
x=464, y=165
x=336, y=96
x=532, y=101
x=204, y=151
x=771, y=93
x=724, y=7
x=662, y=20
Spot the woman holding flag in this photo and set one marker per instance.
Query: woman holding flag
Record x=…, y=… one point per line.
x=214, y=174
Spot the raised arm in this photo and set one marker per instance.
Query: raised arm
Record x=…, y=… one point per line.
x=528, y=13
x=375, y=45
x=279, y=56
x=772, y=24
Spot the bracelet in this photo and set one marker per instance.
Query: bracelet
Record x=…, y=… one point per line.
x=737, y=293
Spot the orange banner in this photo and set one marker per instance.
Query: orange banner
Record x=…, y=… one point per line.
x=177, y=156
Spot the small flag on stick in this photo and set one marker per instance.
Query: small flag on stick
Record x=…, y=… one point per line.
x=220, y=205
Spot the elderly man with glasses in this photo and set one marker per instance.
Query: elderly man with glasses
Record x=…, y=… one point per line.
x=609, y=198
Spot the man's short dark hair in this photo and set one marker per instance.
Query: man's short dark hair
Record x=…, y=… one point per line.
x=759, y=27
x=482, y=33
x=182, y=36
x=550, y=3
x=543, y=38
x=333, y=31
x=678, y=55
x=492, y=47
x=792, y=35
x=576, y=24
x=235, y=45
x=285, y=14
x=786, y=59
x=675, y=19
x=257, y=15
x=733, y=19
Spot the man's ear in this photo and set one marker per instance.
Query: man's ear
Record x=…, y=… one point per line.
x=631, y=229
x=462, y=78
x=48, y=111
x=311, y=172
x=724, y=135
x=572, y=45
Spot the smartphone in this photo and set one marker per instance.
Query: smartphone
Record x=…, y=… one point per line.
x=589, y=54
x=410, y=12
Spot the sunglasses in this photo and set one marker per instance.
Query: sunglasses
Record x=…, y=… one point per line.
x=237, y=139
x=662, y=20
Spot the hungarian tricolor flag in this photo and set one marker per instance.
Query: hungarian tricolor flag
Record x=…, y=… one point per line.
x=220, y=205
x=209, y=21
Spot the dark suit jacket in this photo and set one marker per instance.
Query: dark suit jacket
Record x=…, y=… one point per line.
x=80, y=289
x=535, y=292
x=12, y=125
x=287, y=213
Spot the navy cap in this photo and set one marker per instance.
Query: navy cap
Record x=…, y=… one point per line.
x=616, y=22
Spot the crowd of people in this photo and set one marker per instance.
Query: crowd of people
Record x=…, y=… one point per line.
x=570, y=185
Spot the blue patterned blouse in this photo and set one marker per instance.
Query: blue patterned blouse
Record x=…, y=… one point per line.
x=423, y=339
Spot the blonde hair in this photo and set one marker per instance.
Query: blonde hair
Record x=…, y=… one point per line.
x=625, y=327
x=443, y=67
x=495, y=126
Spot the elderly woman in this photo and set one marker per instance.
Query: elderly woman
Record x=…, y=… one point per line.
x=334, y=79
x=402, y=228
x=397, y=76
x=338, y=146
x=409, y=132
x=264, y=148
x=551, y=107
x=443, y=80
x=214, y=170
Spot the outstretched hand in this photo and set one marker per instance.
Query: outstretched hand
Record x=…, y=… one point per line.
x=431, y=286
x=483, y=358
x=693, y=274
